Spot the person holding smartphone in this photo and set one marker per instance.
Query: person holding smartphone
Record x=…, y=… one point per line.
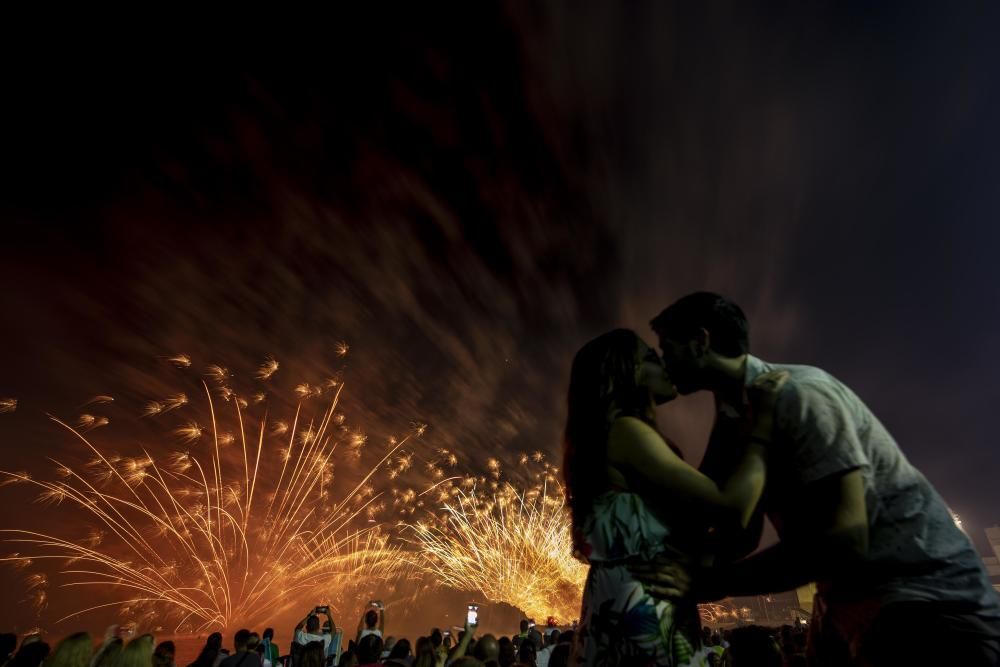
x=311, y=632
x=373, y=616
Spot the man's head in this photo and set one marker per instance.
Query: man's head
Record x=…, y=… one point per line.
x=369, y=649
x=371, y=618
x=552, y=637
x=269, y=634
x=241, y=638
x=312, y=624
x=696, y=332
x=487, y=648
x=524, y=625
x=436, y=638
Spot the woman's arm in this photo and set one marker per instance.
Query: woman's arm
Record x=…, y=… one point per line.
x=637, y=447
x=666, y=479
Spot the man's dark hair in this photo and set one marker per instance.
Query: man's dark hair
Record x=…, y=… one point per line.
x=369, y=649
x=436, y=638
x=269, y=633
x=166, y=648
x=487, y=648
x=401, y=649
x=724, y=320
x=241, y=638
x=312, y=624
x=371, y=618
x=524, y=625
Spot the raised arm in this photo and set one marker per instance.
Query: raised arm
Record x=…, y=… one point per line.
x=463, y=645
x=361, y=627
x=301, y=624
x=637, y=448
x=669, y=481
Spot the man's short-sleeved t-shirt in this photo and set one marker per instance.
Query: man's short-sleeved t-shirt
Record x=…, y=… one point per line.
x=915, y=550
x=303, y=637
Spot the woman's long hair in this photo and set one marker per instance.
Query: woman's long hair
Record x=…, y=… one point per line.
x=209, y=652
x=73, y=651
x=603, y=386
x=137, y=653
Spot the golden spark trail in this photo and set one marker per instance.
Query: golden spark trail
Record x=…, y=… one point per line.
x=511, y=547
x=212, y=538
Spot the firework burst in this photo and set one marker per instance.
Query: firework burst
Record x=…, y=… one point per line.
x=507, y=546
x=215, y=537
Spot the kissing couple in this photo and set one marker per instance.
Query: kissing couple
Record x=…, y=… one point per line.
x=897, y=581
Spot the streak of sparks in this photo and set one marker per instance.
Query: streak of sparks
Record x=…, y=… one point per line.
x=267, y=369
x=7, y=405
x=215, y=538
x=180, y=360
x=507, y=547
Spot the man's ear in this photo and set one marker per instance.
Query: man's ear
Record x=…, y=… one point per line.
x=702, y=343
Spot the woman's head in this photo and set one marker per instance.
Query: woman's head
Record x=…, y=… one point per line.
x=616, y=374
x=107, y=654
x=137, y=653
x=313, y=655
x=74, y=651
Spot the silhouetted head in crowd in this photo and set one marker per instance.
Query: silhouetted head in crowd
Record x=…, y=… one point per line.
x=527, y=652
x=107, y=653
x=559, y=656
x=566, y=637
x=371, y=619
x=467, y=661
x=209, y=652
x=487, y=648
x=137, y=653
x=8, y=643
x=524, y=625
x=269, y=634
x=369, y=649
x=348, y=659
x=436, y=638
x=166, y=648
x=401, y=649
x=73, y=651
x=313, y=655
x=241, y=639
x=754, y=645
x=312, y=625
x=30, y=655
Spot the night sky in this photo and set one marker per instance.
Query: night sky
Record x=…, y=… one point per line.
x=466, y=196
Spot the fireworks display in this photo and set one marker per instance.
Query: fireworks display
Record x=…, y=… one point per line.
x=203, y=531
x=213, y=534
x=510, y=546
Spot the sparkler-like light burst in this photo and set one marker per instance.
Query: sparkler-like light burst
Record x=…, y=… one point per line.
x=510, y=546
x=222, y=530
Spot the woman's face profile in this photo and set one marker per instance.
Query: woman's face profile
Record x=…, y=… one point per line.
x=652, y=374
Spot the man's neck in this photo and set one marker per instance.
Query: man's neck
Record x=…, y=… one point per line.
x=730, y=374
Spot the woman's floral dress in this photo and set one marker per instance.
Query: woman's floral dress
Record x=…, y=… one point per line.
x=620, y=624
